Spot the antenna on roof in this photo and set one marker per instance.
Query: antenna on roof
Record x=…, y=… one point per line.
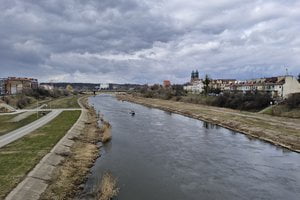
x=287, y=71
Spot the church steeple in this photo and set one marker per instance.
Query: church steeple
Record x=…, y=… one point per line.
x=194, y=76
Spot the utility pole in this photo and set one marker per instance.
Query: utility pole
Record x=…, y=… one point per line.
x=37, y=107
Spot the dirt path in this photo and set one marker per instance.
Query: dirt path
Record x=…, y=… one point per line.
x=280, y=131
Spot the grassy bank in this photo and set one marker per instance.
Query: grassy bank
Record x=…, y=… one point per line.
x=6, y=125
x=73, y=171
x=19, y=157
x=65, y=102
x=282, y=111
x=277, y=130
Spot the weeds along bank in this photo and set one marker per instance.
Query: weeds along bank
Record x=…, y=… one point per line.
x=69, y=177
x=280, y=131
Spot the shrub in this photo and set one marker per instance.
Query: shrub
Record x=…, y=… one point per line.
x=105, y=131
x=108, y=187
x=248, y=101
x=23, y=101
x=293, y=100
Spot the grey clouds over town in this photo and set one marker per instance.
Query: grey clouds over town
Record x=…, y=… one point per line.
x=147, y=41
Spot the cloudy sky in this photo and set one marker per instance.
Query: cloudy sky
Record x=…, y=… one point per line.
x=147, y=41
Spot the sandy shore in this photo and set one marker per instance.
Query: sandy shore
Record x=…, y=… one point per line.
x=284, y=132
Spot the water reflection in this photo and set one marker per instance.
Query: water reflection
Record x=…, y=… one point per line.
x=208, y=125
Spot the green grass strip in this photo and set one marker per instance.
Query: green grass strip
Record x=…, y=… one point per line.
x=7, y=126
x=66, y=102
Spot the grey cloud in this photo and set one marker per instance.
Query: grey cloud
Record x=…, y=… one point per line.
x=148, y=40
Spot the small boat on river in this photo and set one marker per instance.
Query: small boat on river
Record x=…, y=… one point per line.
x=132, y=113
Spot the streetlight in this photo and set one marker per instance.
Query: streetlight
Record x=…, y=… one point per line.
x=37, y=106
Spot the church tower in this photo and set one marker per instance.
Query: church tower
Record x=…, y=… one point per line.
x=194, y=76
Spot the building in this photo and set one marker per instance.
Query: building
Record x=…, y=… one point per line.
x=104, y=86
x=2, y=86
x=278, y=87
x=195, y=85
x=16, y=85
x=166, y=83
x=222, y=84
x=195, y=76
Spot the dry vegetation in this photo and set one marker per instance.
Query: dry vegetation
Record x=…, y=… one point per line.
x=105, y=132
x=108, y=187
x=282, y=111
x=73, y=171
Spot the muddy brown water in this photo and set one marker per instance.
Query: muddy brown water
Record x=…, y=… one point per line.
x=159, y=155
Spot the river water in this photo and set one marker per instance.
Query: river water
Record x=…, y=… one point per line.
x=157, y=155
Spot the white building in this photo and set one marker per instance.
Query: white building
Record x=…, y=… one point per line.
x=104, y=86
x=196, y=87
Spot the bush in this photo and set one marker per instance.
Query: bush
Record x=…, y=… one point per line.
x=248, y=101
x=41, y=93
x=7, y=100
x=293, y=101
x=23, y=102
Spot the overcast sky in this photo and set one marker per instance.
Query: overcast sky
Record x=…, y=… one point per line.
x=147, y=41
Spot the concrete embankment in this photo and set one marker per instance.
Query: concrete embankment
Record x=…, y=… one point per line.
x=55, y=166
x=280, y=131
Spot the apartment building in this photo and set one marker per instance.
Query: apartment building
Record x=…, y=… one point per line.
x=2, y=86
x=16, y=85
x=278, y=87
x=222, y=84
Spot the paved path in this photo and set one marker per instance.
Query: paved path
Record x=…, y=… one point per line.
x=48, y=109
x=36, y=181
x=39, y=110
x=19, y=133
x=24, y=114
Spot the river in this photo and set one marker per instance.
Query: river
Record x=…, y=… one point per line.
x=159, y=155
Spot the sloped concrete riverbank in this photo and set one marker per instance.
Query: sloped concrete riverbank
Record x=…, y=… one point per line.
x=53, y=170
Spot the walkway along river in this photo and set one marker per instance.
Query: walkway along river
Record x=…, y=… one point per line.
x=159, y=155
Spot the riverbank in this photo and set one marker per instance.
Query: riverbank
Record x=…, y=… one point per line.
x=280, y=131
x=68, y=177
x=62, y=167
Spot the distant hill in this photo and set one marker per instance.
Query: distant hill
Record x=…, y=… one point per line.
x=76, y=86
x=94, y=86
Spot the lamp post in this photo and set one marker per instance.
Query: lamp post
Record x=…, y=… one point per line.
x=37, y=107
